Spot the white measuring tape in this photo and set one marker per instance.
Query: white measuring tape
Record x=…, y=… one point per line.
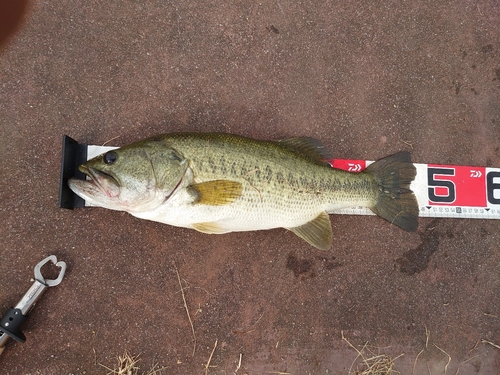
x=442, y=190
x=451, y=191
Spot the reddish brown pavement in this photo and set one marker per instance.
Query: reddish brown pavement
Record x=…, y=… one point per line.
x=367, y=78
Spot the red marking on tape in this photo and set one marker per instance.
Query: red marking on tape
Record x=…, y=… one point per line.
x=348, y=165
x=452, y=185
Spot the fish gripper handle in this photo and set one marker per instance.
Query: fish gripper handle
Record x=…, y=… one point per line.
x=11, y=324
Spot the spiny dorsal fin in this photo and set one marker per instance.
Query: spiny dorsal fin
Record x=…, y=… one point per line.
x=216, y=192
x=209, y=228
x=310, y=147
x=317, y=232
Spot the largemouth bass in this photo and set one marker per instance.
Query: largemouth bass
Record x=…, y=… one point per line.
x=220, y=183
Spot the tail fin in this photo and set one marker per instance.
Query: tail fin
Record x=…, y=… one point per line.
x=395, y=201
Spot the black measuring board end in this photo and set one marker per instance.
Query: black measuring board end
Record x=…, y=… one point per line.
x=73, y=154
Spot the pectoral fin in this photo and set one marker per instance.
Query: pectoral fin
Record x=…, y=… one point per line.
x=216, y=192
x=317, y=232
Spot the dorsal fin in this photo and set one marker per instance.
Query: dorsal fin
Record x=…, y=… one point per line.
x=310, y=147
x=317, y=232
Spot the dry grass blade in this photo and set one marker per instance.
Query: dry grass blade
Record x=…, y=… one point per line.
x=379, y=364
x=110, y=140
x=449, y=359
x=490, y=343
x=210, y=358
x=427, y=336
x=415, y=363
x=239, y=365
x=126, y=365
x=187, y=310
x=155, y=371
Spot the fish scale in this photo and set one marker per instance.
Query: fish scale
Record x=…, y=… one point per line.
x=323, y=191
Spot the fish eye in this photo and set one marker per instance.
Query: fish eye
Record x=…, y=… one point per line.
x=110, y=157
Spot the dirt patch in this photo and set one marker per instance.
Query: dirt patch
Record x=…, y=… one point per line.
x=417, y=260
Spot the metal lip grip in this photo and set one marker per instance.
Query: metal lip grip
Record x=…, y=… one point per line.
x=10, y=325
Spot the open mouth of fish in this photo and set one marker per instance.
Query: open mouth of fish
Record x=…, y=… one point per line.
x=101, y=180
x=102, y=189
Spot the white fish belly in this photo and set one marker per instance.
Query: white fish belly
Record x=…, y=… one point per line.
x=232, y=217
x=245, y=214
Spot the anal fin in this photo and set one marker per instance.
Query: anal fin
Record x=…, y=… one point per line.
x=209, y=228
x=317, y=232
x=216, y=192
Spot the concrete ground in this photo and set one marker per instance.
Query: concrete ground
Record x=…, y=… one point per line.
x=367, y=78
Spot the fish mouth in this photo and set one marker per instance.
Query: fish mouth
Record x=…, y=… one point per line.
x=101, y=180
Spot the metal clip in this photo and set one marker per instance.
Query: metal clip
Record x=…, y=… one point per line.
x=10, y=324
x=53, y=259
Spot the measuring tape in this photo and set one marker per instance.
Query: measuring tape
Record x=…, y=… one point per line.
x=442, y=190
x=453, y=191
